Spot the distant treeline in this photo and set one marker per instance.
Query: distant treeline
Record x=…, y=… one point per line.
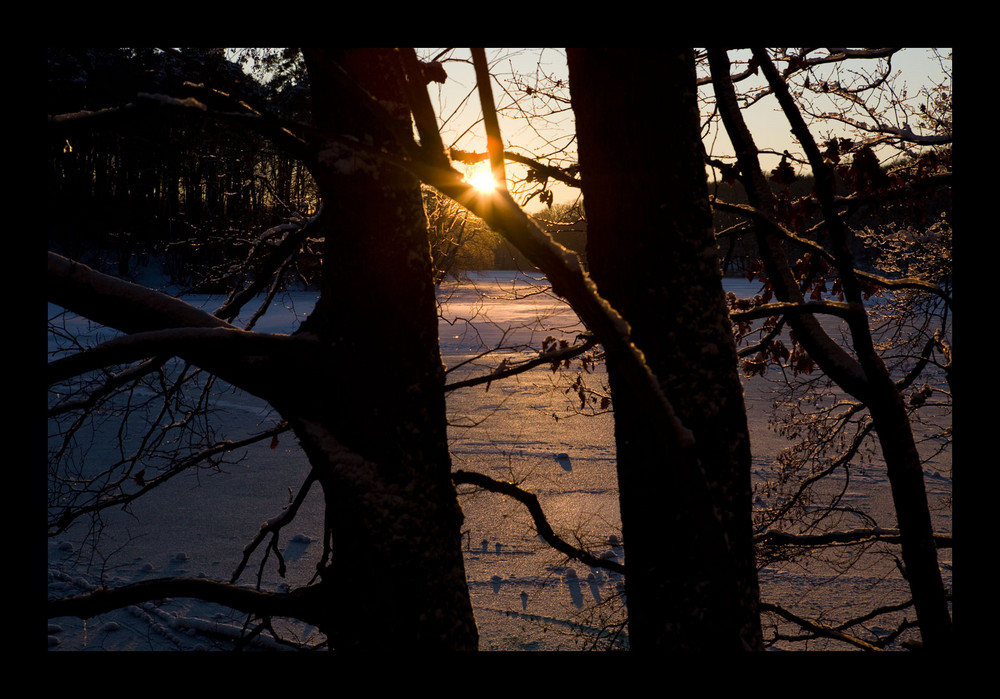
x=138, y=189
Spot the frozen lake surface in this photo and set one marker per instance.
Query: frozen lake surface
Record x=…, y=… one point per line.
x=528, y=429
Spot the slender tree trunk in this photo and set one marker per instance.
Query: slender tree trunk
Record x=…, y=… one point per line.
x=691, y=581
x=909, y=496
x=864, y=375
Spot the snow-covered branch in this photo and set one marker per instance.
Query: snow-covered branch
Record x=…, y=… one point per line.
x=204, y=346
x=88, y=118
x=777, y=229
x=286, y=134
x=118, y=304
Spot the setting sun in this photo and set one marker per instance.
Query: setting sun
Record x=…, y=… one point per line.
x=482, y=180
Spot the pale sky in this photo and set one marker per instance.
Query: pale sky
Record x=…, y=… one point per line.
x=553, y=135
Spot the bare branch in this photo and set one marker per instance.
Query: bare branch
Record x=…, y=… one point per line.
x=842, y=310
x=119, y=304
x=817, y=628
x=558, y=355
x=67, y=517
x=542, y=526
x=837, y=362
x=494, y=143
x=853, y=536
x=810, y=246
x=554, y=173
x=289, y=245
x=293, y=604
x=209, y=345
x=111, y=384
x=273, y=526
x=903, y=133
x=420, y=104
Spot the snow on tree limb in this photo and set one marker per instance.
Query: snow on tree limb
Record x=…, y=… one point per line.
x=187, y=102
x=119, y=304
x=156, y=324
x=223, y=343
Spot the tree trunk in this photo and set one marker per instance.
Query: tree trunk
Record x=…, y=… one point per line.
x=864, y=376
x=909, y=497
x=686, y=519
x=372, y=421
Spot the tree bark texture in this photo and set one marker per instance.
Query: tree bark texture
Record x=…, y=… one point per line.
x=373, y=420
x=361, y=382
x=691, y=581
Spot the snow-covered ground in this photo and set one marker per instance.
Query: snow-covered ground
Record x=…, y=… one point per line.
x=528, y=429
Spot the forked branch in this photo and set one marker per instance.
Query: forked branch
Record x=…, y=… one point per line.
x=542, y=526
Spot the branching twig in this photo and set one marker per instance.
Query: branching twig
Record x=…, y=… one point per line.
x=530, y=501
x=558, y=355
x=813, y=247
x=273, y=526
x=841, y=310
x=66, y=518
x=817, y=628
x=853, y=536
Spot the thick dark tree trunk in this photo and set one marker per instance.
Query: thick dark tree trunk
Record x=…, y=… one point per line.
x=691, y=581
x=373, y=420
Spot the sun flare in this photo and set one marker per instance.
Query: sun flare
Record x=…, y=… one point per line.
x=482, y=180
